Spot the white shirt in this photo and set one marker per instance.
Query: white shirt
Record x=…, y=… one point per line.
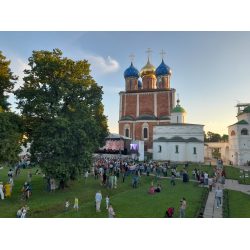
x=67, y=204
x=23, y=213
x=100, y=170
x=107, y=200
x=206, y=176
x=86, y=174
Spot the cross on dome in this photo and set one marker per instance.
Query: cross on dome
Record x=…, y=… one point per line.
x=162, y=53
x=149, y=51
x=132, y=57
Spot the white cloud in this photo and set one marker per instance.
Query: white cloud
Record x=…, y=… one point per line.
x=103, y=66
x=17, y=67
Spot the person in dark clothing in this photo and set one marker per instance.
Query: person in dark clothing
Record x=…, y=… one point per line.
x=104, y=178
x=200, y=215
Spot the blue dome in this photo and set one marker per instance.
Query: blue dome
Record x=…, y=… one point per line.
x=131, y=71
x=139, y=84
x=163, y=69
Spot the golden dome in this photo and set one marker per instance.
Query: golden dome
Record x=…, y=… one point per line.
x=148, y=70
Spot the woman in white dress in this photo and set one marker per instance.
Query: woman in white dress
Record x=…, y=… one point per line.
x=52, y=184
x=29, y=176
x=11, y=183
x=1, y=190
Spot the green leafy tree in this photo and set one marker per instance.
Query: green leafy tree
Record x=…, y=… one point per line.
x=7, y=82
x=11, y=124
x=61, y=103
x=212, y=137
x=11, y=133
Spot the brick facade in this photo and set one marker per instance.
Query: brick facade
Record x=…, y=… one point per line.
x=151, y=102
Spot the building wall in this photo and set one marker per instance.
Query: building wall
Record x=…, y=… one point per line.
x=157, y=103
x=185, y=151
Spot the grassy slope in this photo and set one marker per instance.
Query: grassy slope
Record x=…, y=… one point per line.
x=239, y=204
x=233, y=173
x=127, y=202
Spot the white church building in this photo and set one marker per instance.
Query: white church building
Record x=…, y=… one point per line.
x=178, y=141
x=237, y=147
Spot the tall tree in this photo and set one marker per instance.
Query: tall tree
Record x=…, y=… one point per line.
x=61, y=102
x=11, y=124
x=7, y=81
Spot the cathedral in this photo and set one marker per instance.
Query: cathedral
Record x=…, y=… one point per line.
x=147, y=100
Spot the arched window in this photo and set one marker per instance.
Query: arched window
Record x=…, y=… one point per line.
x=130, y=84
x=145, y=133
x=163, y=82
x=127, y=132
x=177, y=119
x=159, y=148
x=244, y=131
x=233, y=133
x=194, y=151
x=148, y=84
x=176, y=149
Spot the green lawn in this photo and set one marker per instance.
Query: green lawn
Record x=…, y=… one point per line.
x=127, y=202
x=233, y=173
x=239, y=204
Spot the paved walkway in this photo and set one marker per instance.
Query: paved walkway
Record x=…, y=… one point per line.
x=211, y=210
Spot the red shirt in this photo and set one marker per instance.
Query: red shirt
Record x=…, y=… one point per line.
x=223, y=172
x=151, y=190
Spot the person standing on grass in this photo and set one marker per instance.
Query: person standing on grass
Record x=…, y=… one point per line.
x=148, y=170
x=206, y=178
x=101, y=178
x=123, y=177
x=173, y=179
x=76, y=204
x=115, y=180
x=1, y=190
x=112, y=181
x=218, y=196
x=29, y=176
x=67, y=205
x=135, y=183
x=86, y=176
x=183, y=207
x=155, y=176
x=11, y=183
x=107, y=202
x=98, y=199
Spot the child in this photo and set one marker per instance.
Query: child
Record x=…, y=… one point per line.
x=19, y=212
x=67, y=205
x=152, y=183
x=76, y=204
x=107, y=202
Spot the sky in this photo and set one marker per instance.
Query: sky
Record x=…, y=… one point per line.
x=210, y=70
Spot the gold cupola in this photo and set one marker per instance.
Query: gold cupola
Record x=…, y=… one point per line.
x=148, y=70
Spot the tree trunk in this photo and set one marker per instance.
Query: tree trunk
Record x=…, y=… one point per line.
x=63, y=184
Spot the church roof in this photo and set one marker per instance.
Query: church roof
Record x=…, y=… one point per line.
x=127, y=118
x=132, y=71
x=146, y=117
x=163, y=69
x=240, y=122
x=178, y=109
x=165, y=117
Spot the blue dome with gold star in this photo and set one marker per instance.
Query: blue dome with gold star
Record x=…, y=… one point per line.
x=163, y=69
x=139, y=84
x=131, y=71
